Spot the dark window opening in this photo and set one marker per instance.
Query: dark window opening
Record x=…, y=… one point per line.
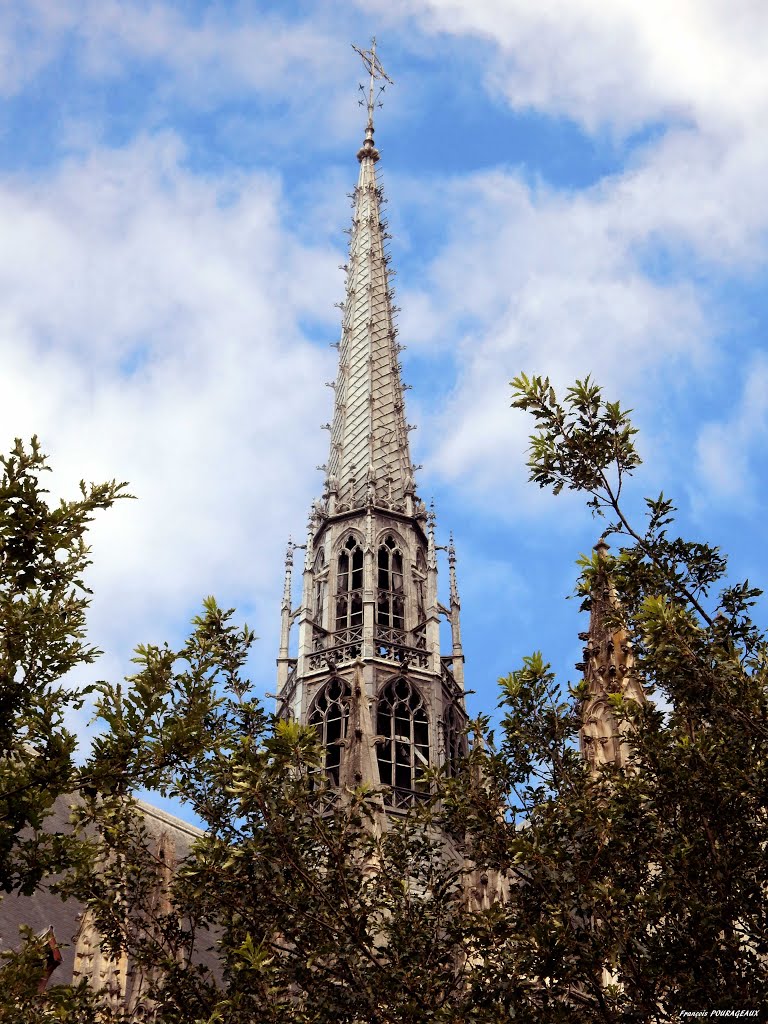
x=349, y=586
x=329, y=716
x=402, y=721
x=390, y=602
x=455, y=740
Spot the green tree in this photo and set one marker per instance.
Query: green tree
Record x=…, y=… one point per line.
x=320, y=915
x=629, y=894
x=643, y=892
x=43, y=604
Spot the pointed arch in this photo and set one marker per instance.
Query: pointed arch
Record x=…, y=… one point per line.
x=454, y=738
x=403, y=724
x=349, y=584
x=600, y=735
x=329, y=714
x=390, y=583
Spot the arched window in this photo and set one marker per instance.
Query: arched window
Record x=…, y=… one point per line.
x=402, y=721
x=455, y=744
x=329, y=715
x=320, y=586
x=349, y=586
x=390, y=606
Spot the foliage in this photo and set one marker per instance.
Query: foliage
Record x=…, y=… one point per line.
x=653, y=879
x=628, y=894
x=319, y=914
x=43, y=603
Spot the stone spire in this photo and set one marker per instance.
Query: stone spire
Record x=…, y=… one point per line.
x=609, y=668
x=369, y=673
x=369, y=456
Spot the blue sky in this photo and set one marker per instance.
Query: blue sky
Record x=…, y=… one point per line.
x=573, y=188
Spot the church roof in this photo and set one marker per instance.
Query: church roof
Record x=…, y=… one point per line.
x=369, y=434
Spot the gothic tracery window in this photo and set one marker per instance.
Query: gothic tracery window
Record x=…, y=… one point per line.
x=404, y=752
x=455, y=744
x=390, y=604
x=349, y=585
x=329, y=716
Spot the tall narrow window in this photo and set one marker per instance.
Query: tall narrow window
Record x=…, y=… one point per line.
x=455, y=742
x=349, y=586
x=320, y=585
x=389, y=599
x=329, y=715
x=402, y=721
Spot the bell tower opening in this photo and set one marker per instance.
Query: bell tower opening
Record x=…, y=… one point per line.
x=330, y=717
x=403, y=724
x=390, y=601
x=349, y=586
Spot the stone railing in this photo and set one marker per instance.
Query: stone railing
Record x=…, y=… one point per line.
x=341, y=647
x=393, y=645
x=403, y=799
x=345, y=645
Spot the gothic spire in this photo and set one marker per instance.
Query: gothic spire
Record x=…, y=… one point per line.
x=369, y=456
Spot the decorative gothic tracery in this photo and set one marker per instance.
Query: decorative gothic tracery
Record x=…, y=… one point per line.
x=403, y=726
x=369, y=614
x=329, y=716
x=420, y=583
x=454, y=738
x=349, y=586
x=609, y=668
x=321, y=583
x=390, y=603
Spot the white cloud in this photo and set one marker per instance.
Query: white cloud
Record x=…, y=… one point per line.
x=150, y=331
x=617, y=279
x=730, y=450
x=623, y=63
x=188, y=60
x=150, y=323
x=554, y=284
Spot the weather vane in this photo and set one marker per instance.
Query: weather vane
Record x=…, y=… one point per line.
x=376, y=71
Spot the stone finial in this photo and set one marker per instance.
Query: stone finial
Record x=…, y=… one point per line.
x=452, y=572
x=602, y=547
x=431, y=546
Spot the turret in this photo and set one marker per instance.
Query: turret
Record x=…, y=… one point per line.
x=609, y=668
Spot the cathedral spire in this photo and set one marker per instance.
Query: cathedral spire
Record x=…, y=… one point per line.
x=369, y=457
x=369, y=673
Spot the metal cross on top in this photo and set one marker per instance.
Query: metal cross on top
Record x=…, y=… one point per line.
x=375, y=70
